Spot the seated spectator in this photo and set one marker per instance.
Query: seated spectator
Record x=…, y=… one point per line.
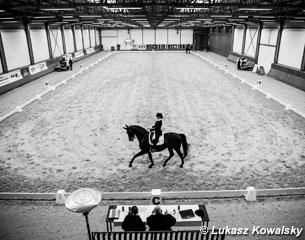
x=132, y=221
x=242, y=64
x=158, y=221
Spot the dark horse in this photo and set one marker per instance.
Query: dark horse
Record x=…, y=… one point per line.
x=171, y=141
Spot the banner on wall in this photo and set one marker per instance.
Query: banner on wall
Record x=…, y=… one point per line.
x=139, y=47
x=10, y=77
x=39, y=67
x=78, y=54
x=89, y=50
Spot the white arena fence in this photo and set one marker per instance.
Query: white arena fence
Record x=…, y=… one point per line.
x=183, y=195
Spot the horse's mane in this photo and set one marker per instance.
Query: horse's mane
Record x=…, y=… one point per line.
x=139, y=128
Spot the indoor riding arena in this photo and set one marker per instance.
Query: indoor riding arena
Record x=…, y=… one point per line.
x=196, y=107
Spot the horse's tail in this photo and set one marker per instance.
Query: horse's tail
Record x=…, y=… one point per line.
x=184, y=144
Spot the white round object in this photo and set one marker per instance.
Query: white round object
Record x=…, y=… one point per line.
x=83, y=200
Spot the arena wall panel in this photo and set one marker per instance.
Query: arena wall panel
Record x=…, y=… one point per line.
x=267, y=48
x=266, y=57
x=288, y=75
x=69, y=40
x=123, y=34
x=186, y=36
x=15, y=48
x=251, y=41
x=238, y=40
x=92, y=37
x=292, y=48
x=220, y=42
x=149, y=36
x=86, y=38
x=56, y=41
x=269, y=36
x=109, y=33
x=97, y=37
x=78, y=39
x=136, y=34
x=39, y=44
x=174, y=36
x=161, y=36
x=109, y=39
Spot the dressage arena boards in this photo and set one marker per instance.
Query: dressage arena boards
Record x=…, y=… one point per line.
x=74, y=137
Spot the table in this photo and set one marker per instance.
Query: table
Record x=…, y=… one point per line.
x=146, y=210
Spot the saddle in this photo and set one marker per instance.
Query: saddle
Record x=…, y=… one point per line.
x=150, y=139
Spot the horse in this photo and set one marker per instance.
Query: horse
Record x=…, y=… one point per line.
x=172, y=141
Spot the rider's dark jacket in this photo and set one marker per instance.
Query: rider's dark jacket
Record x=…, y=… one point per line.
x=157, y=128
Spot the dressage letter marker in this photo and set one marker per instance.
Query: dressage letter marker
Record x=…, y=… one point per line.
x=156, y=197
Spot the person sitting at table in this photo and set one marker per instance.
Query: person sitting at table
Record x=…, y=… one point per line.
x=158, y=221
x=133, y=221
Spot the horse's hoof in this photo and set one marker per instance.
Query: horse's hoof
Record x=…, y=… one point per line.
x=150, y=166
x=130, y=165
x=181, y=165
x=164, y=165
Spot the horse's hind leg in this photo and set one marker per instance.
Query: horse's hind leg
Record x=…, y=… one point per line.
x=181, y=156
x=171, y=154
x=151, y=160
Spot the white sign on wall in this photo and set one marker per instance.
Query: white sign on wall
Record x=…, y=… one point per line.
x=10, y=77
x=89, y=50
x=79, y=54
x=39, y=67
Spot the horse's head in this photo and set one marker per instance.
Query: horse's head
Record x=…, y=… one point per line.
x=130, y=132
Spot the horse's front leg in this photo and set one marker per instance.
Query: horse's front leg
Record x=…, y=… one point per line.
x=151, y=160
x=137, y=155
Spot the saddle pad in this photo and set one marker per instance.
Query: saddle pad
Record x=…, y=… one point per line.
x=160, y=142
x=187, y=214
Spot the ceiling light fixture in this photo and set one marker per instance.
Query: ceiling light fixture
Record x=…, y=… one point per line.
x=254, y=9
x=43, y=17
x=57, y=9
x=90, y=16
x=9, y=21
x=71, y=20
x=263, y=16
x=192, y=8
x=127, y=8
x=221, y=16
x=204, y=19
x=297, y=21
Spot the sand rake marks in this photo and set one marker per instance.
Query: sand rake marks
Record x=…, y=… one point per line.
x=256, y=86
x=50, y=88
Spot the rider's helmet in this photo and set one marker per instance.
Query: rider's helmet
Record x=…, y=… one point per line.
x=159, y=115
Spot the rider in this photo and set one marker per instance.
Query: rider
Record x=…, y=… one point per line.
x=157, y=129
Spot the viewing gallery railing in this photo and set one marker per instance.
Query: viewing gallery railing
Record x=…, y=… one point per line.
x=159, y=235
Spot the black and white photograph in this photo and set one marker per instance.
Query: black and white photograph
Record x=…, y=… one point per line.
x=152, y=119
